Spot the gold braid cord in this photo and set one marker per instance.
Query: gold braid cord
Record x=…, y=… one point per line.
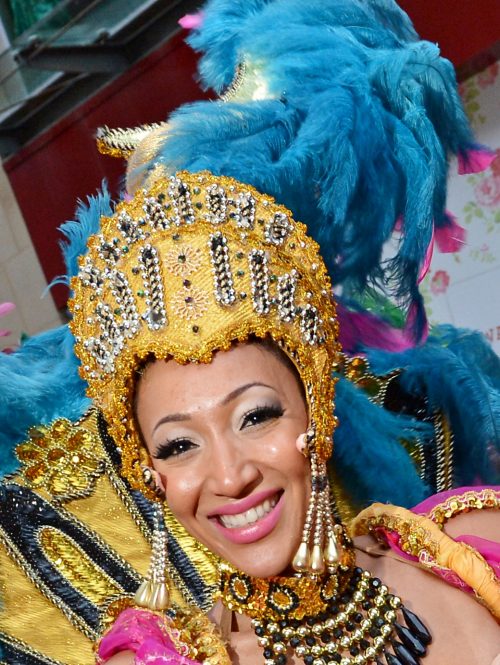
x=422, y=538
x=463, y=503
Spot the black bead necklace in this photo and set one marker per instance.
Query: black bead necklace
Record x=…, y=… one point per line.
x=363, y=623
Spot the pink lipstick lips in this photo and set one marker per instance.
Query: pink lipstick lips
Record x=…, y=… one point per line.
x=262, y=520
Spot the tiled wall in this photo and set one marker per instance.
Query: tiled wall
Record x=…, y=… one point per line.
x=464, y=289
x=21, y=278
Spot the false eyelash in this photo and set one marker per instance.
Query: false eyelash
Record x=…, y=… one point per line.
x=167, y=449
x=272, y=411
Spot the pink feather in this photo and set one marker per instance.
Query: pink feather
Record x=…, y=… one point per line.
x=191, y=21
x=452, y=237
x=475, y=161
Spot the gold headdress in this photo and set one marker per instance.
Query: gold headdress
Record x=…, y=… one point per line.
x=189, y=266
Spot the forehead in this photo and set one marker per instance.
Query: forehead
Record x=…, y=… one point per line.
x=244, y=363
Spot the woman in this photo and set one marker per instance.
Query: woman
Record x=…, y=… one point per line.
x=330, y=106
x=175, y=307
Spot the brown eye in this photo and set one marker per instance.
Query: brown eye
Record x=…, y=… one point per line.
x=261, y=415
x=173, y=448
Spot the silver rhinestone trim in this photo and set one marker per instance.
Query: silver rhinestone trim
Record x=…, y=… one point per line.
x=126, y=302
x=155, y=214
x=287, y=285
x=110, y=342
x=109, y=252
x=91, y=276
x=278, y=229
x=216, y=202
x=309, y=320
x=129, y=228
x=260, y=281
x=223, y=277
x=101, y=353
x=244, y=213
x=180, y=196
x=156, y=316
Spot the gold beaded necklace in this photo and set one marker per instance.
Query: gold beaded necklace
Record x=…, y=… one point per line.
x=346, y=618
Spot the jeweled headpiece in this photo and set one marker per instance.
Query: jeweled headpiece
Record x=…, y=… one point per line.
x=189, y=266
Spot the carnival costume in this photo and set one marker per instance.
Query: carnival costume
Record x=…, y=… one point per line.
x=194, y=262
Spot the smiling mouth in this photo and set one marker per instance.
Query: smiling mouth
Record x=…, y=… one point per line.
x=251, y=516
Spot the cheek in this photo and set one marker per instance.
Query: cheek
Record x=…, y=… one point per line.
x=182, y=490
x=282, y=454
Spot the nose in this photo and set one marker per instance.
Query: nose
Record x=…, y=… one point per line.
x=233, y=471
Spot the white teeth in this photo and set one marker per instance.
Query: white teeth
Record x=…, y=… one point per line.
x=250, y=516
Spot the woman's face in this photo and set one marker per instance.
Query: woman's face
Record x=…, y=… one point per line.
x=223, y=438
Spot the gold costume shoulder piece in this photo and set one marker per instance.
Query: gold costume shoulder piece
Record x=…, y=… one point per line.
x=75, y=545
x=422, y=537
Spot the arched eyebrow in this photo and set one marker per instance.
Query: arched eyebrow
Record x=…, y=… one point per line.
x=181, y=417
x=238, y=391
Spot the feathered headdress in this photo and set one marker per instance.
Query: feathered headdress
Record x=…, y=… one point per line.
x=339, y=111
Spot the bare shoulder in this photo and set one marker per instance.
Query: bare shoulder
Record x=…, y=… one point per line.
x=123, y=658
x=463, y=632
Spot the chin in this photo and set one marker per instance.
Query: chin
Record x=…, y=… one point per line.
x=262, y=565
x=270, y=557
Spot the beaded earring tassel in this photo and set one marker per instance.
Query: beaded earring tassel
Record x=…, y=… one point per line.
x=153, y=592
x=319, y=549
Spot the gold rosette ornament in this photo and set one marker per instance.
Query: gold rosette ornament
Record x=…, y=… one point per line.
x=189, y=266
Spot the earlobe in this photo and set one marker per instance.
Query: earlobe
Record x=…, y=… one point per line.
x=160, y=484
x=301, y=444
x=304, y=442
x=153, y=480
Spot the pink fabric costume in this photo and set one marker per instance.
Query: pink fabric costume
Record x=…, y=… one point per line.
x=152, y=637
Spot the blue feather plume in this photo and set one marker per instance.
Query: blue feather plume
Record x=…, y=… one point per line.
x=368, y=455
x=459, y=374
x=353, y=134
x=40, y=383
x=85, y=224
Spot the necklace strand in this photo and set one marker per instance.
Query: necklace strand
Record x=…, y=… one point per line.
x=360, y=622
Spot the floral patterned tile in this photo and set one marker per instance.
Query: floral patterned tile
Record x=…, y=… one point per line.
x=475, y=303
x=465, y=288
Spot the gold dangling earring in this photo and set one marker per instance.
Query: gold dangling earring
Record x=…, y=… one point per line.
x=153, y=592
x=326, y=551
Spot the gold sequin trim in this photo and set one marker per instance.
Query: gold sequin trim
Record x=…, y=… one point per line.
x=62, y=459
x=463, y=503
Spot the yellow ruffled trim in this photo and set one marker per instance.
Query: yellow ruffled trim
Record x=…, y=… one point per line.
x=423, y=539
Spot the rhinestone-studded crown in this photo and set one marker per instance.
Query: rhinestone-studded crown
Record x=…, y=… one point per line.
x=189, y=266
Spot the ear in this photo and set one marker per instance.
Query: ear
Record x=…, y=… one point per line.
x=301, y=444
x=153, y=480
x=159, y=482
